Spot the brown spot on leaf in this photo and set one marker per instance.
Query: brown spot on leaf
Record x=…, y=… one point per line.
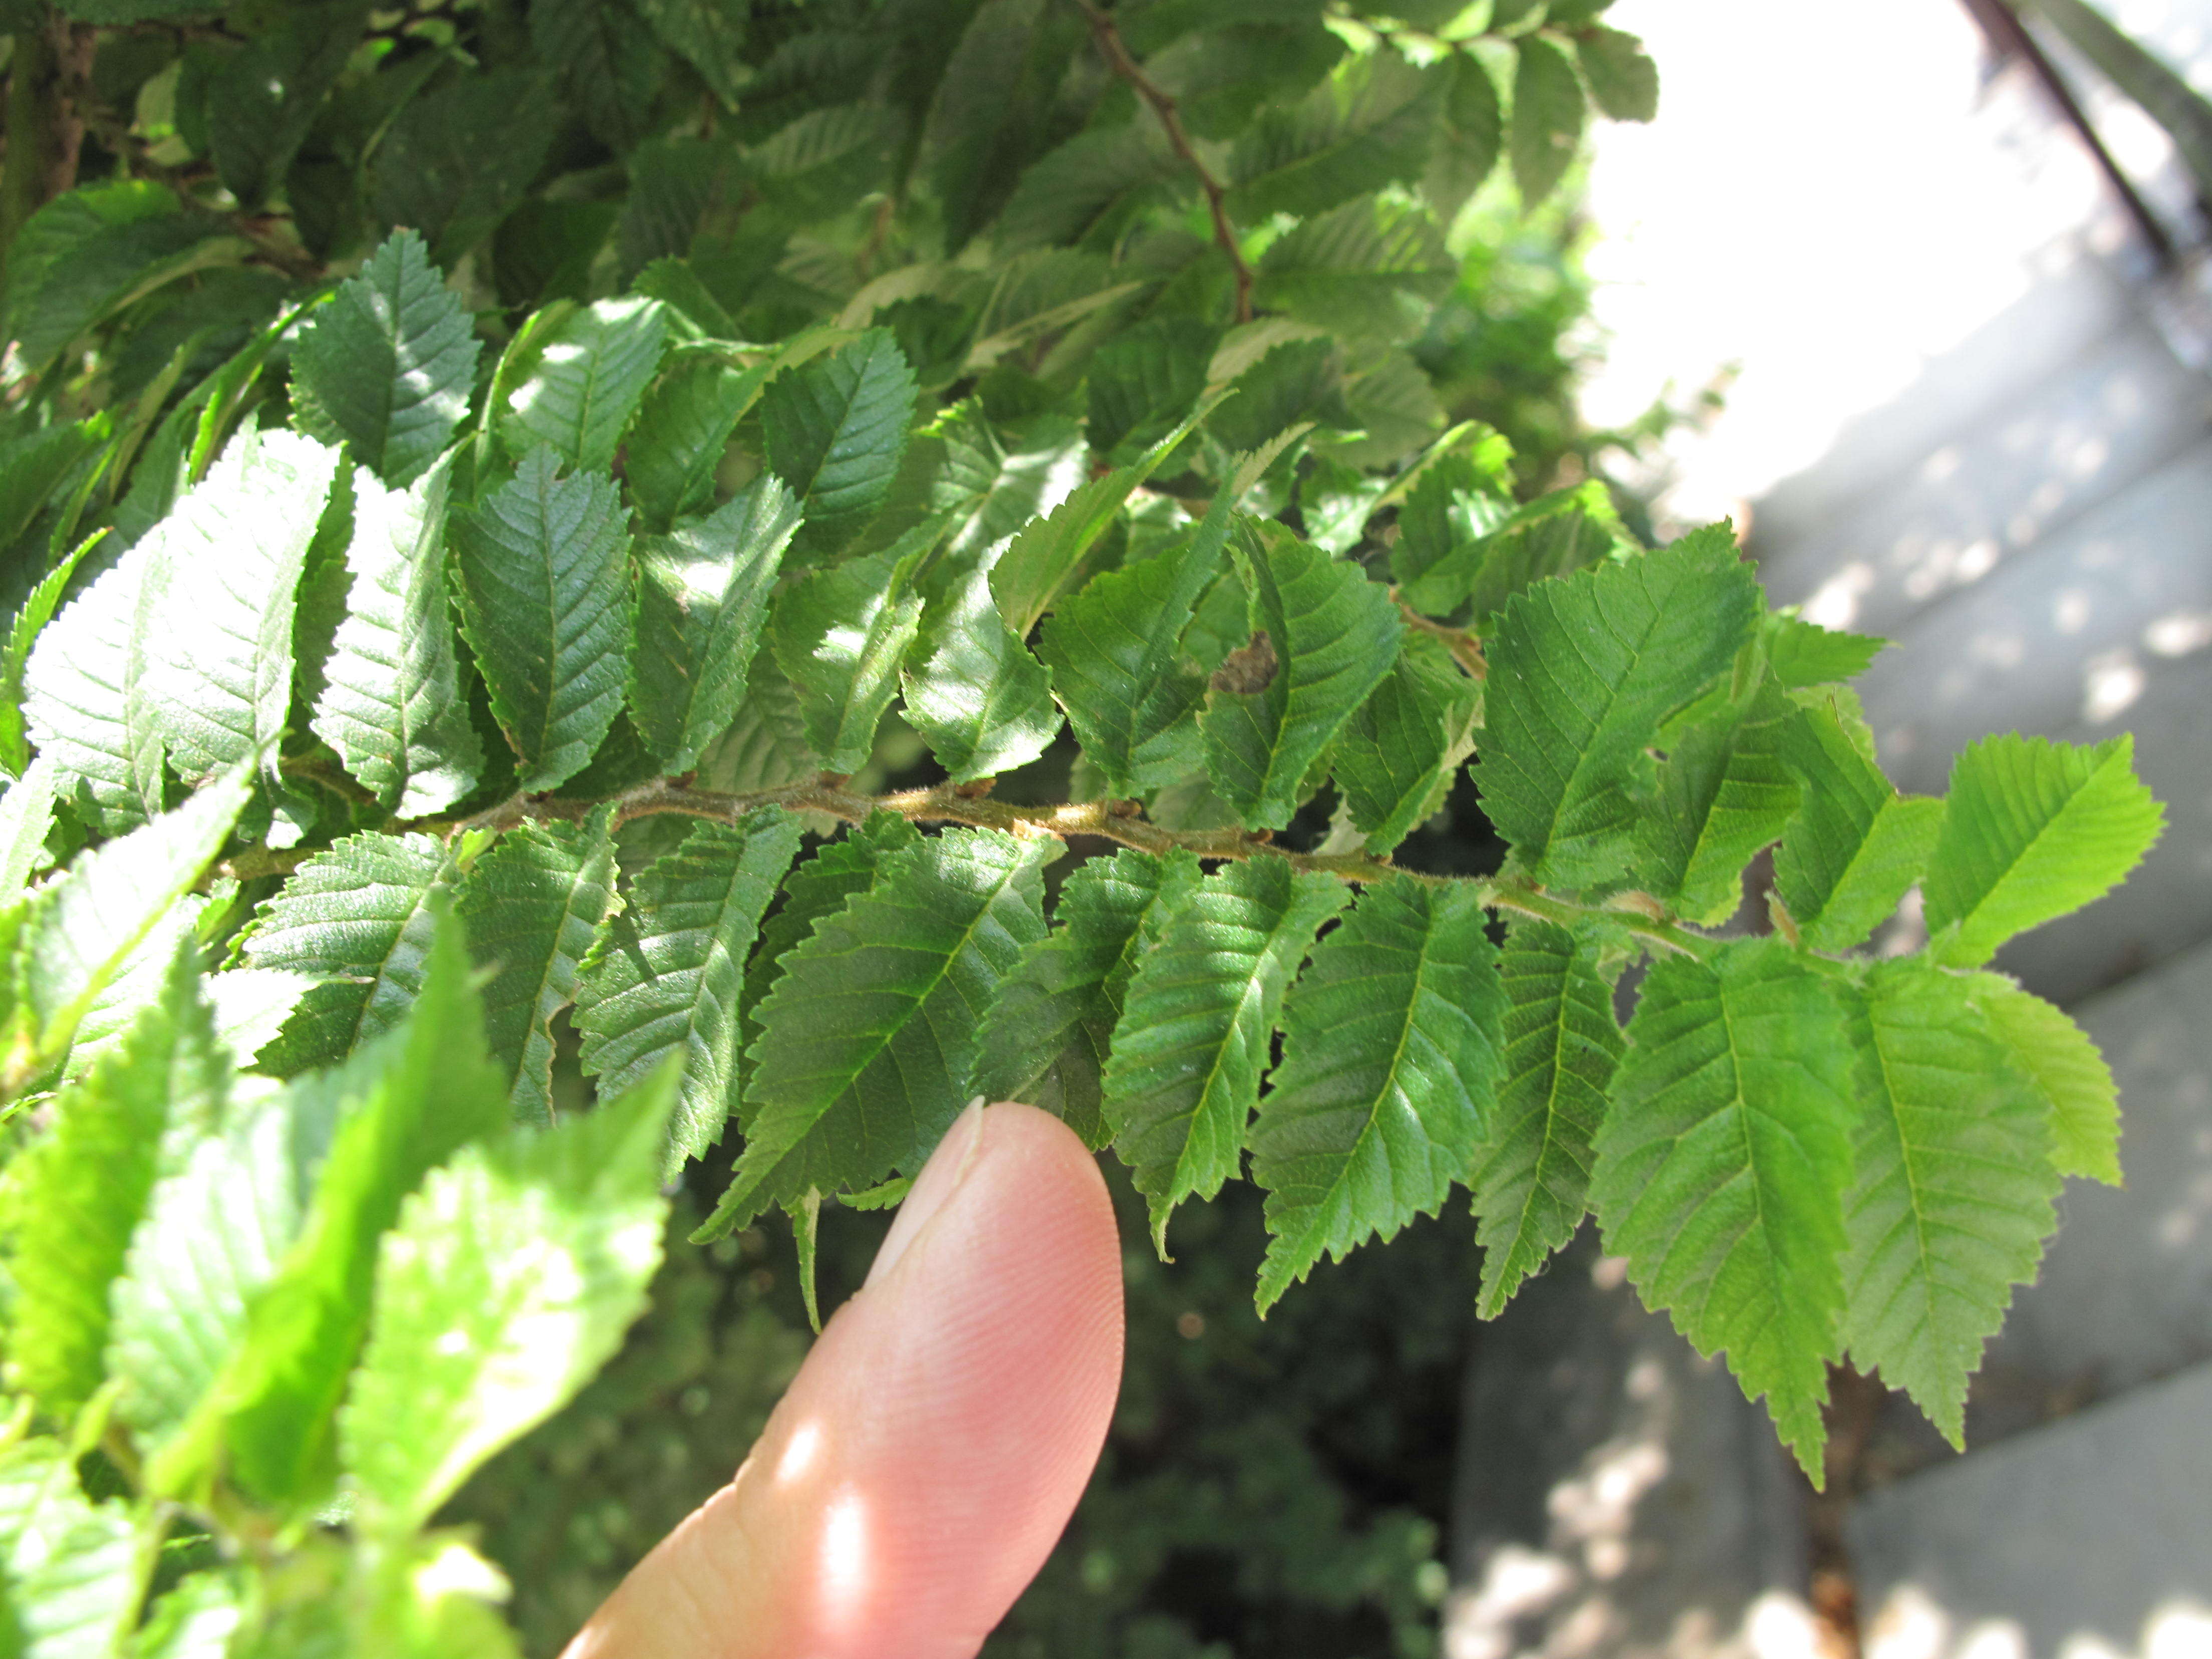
x=1248, y=668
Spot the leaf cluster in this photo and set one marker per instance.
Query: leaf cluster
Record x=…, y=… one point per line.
x=489, y=632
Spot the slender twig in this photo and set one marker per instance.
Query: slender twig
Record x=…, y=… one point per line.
x=1466, y=649
x=1108, y=39
x=1119, y=821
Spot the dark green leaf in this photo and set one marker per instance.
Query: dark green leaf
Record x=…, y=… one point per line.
x=665, y=976
x=1396, y=758
x=702, y=594
x=1531, y=1179
x=459, y=156
x=532, y=904
x=585, y=380
x=387, y=365
x=840, y=635
x=545, y=606
x=1392, y=1048
x=1197, y=1023
x=837, y=428
x=1047, y=1036
x=870, y=1034
x=1547, y=117
x=1323, y=637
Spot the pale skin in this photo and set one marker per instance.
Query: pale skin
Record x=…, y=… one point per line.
x=931, y=1449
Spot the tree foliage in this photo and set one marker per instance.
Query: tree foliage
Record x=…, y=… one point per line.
x=476, y=488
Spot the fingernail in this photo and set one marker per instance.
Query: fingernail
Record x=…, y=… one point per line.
x=932, y=1188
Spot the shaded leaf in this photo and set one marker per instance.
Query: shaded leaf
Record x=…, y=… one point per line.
x=870, y=1033
x=1392, y=1044
x=1531, y=1180
x=1722, y=1169
x=1196, y=1025
x=665, y=976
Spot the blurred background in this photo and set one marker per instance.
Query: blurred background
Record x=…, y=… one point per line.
x=1919, y=293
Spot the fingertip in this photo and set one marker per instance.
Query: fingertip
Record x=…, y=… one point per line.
x=935, y=1444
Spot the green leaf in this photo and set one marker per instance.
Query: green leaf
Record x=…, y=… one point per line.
x=1722, y=1164
x=1371, y=124
x=980, y=700
x=1396, y=758
x=505, y=1282
x=1450, y=509
x=1531, y=1180
x=665, y=975
x=457, y=158
x=870, y=1033
x=707, y=34
x=1197, y=1023
x=75, y=1198
x=840, y=635
x=261, y=100
x=702, y=594
x=994, y=111
x=1472, y=139
x=994, y=480
x=227, y=1208
x=392, y=705
x=836, y=429
x=1953, y=1195
x=75, y=1570
x=1725, y=795
x=87, y=693
x=607, y=64
x=1468, y=551
x=815, y=889
x=1090, y=186
x=1582, y=671
x=359, y=917
x=544, y=607
x=218, y=673
x=1331, y=635
x=1855, y=844
x=2031, y=830
x=387, y=365
x=23, y=633
x=531, y=905
x=1803, y=654
x=195, y=1620
x=88, y=253
x=588, y=376
x=139, y=982
x=1295, y=383
x=1145, y=378
x=1547, y=118
x=1392, y=1042
x=2056, y=1059
x=426, y=1089
x=27, y=813
x=84, y=926
x=1047, y=1036
x=1115, y=651
x=1623, y=80
x=1044, y=555
x=683, y=433
x=1372, y=267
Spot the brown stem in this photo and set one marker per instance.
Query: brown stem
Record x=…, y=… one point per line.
x=1110, y=820
x=1108, y=39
